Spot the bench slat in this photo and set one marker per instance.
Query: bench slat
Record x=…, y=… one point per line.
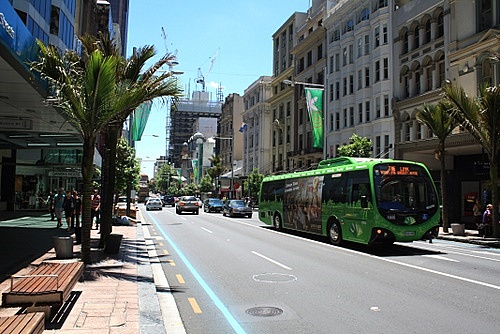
x=52, y=289
x=23, y=323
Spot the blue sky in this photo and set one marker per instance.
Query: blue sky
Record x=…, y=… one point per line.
x=234, y=35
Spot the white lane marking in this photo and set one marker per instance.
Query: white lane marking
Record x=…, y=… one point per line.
x=486, y=253
x=447, y=250
x=206, y=229
x=346, y=250
x=271, y=260
x=439, y=257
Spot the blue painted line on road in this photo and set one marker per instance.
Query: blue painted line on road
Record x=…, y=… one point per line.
x=229, y=317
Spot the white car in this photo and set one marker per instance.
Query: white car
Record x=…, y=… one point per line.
x=154, y=204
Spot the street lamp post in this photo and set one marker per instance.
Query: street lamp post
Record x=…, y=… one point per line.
x=199, y=139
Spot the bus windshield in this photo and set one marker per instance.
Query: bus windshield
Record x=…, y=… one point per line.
x=404, y=188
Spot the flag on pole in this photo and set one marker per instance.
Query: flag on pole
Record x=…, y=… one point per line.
x=314, y=101
x=243, y=127
x=141, y=116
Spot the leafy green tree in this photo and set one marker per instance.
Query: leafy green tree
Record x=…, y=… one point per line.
x=92, y=94
x=127, y=168
x=358, y=147
x=438, y=118
x=216, y=170
x=480, y=116
x=253, y=182
x=164, y=178
x=190, y=189
x=206, y=184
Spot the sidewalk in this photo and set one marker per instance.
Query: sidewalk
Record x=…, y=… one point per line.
x=116, y=294
x=470, y=236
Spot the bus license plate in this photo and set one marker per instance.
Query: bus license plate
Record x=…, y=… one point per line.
x=410, y=234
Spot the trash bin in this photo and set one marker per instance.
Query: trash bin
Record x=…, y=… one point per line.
x=458, y=229
x=63, y=247
x=113, y=243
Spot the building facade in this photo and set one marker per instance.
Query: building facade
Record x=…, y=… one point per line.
x=282, y=101
x=309, y=54
x=358, y=92
x=256, y=128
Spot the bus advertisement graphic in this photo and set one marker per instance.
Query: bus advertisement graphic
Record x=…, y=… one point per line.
x=302, y=204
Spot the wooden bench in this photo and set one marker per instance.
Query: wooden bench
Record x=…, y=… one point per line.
x=23, y=323
x=48, y=284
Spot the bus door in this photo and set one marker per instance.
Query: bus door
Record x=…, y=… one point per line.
x=356, y=219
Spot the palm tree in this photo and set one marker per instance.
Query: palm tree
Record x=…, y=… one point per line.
x=92, y=94
x=481, y=117
x=217, y=169
x=438, y=118
x=129, y=72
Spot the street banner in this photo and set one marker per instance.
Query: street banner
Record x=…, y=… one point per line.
x=314, y=101
x=141, y=115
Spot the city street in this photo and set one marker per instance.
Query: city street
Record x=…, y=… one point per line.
x=232, y=275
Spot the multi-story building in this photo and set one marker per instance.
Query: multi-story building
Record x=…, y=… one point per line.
x=282, y=101
x=434, y=43
x=358, y=92
x=184, y=116
x=40, y=150
x=229, y=142
x=309, y=54
x=257, y=127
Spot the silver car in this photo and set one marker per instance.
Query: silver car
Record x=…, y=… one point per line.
x=189, y=204
x=154, y=204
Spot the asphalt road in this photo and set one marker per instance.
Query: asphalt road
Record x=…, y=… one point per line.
x=237, y=275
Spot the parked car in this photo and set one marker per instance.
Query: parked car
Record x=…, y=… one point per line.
x=121, y=207
x=213, y=205
x=189, y=204
x=169, y=200
x=236, y=207
x=154, y=203
x=200, y=202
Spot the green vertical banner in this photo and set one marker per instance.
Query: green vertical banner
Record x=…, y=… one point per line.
x=194, y=164
x=141, y=116
x=314, y=100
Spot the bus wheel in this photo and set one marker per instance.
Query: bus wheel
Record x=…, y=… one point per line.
x=335, y=233
x=277, y=221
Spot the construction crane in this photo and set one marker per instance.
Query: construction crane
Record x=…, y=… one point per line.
x=201, y=78
x=174, y=54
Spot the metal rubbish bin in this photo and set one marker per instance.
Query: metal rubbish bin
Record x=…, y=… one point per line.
x=63, y=247
x=113, y=243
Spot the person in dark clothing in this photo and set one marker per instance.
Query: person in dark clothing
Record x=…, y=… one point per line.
x=485, y=228
x=69, y=208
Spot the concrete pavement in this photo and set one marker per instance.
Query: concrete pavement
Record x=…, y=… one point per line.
x=125, y=292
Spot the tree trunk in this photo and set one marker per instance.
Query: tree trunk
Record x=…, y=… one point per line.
x=444, y=195
x=108, y=172
x=88, y=173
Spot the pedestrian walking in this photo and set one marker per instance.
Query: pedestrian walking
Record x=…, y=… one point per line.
x=78, y=211
x=69, y=208
x=477, y=211
x=485, y=227
x=58, y=206
x=50, y=205
x=95, y=200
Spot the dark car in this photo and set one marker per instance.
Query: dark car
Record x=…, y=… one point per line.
x=187, y=204
x=169, y=200
x=236, y=208
x=213, y=205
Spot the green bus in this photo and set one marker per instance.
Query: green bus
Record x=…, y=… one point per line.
x=360, y=200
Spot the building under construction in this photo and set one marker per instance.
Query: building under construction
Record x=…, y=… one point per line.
x=184, y=119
